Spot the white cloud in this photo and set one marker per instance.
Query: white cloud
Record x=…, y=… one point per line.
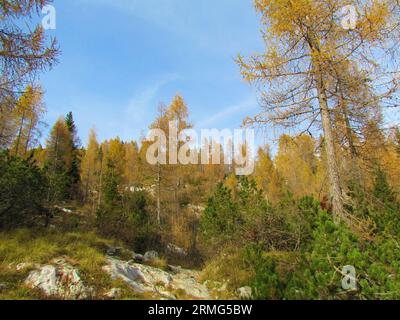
x=247, y=104
x=140, y=103
x=140, y=108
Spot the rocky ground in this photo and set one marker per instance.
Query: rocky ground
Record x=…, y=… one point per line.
x=84, y=266
x=60, y=279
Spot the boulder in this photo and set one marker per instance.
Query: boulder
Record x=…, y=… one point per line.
x=141, y=278
x=146, y=279
x=59, y=279
x=137, y=257
x=245, y=293
x=151, y=256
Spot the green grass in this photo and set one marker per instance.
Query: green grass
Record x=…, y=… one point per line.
x=86, y=251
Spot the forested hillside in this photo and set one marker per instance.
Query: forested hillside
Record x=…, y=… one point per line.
x=323, y=198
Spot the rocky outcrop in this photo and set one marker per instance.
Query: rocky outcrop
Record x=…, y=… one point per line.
x=146, y=279
x=187, y=281
x=59, y=280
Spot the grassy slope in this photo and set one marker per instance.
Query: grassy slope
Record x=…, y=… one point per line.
x=84, y=250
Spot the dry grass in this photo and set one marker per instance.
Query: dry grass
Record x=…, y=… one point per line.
x=86, y=251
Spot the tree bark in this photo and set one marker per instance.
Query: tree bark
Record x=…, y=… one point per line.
x=336, y=192
x=333, y=169
x=100, y=181
x=349, y=131
x=19, y=136
x=158, y=194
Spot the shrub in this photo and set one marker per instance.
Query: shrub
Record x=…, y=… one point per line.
x=22, y=191
x=242, y=216
x=128, y=220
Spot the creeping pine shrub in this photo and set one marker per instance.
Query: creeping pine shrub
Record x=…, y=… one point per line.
x=313, y=269
x=385, y=209
x=221, y=219
x=316, y=272
x=128, y=220
x=242, y=219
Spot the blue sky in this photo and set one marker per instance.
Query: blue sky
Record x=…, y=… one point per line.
x=121, y=58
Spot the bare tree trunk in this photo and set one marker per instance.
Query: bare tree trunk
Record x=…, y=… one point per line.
x=86, y=195
x=349, y=131
x=28, y=138
x=158, y=194
x=336, y=192
x=333, y=169
x=19, y=136
x=100, y=182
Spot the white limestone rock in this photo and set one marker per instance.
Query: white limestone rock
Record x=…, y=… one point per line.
x=60, y=280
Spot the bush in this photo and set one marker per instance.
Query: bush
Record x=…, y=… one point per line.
x=22, y=192
x=313, y=268
x=317, y=273
x=243, y=215
x=221, y=220
x=128, y=220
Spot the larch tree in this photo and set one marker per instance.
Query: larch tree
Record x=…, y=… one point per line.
x=7, y=120
x=306, y=41
x=23, y=51
x=90, y=169
x=169, y=178
x=112, y=168
x=59, y=154
x=132, y=165
x=267, y=177
x=28, y=113
x=115, y=156
x=297, y=164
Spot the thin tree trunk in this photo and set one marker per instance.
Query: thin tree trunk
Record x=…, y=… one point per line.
x=100, y=183
x=28, y=138
x=18, y=140
x=349, y=131
x=333, y=169
x=158, y=194
x=85, y=197
x=336, y=192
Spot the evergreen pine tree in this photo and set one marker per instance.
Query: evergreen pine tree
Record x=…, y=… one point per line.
x=74, y=172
